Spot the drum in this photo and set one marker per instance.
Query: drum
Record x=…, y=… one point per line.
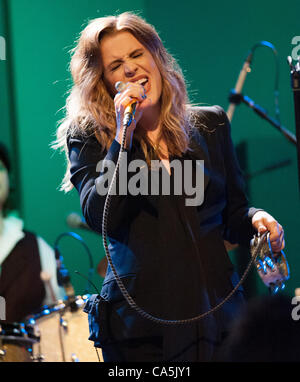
x=17, y=341
x=64, y=333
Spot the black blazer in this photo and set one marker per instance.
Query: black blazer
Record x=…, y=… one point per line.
x=155, y=254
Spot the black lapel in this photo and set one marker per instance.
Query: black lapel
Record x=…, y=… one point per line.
x=199, y=150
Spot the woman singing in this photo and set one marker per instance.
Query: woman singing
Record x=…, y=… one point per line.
x=169, y=254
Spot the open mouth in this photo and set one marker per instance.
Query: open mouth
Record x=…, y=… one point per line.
x=145, y=83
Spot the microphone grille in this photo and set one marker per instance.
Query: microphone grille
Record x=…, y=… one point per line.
x=120, y=86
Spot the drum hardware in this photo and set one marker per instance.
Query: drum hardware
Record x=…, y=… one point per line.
x=64, y=333
x=74, y=358
x=2, y=351
x=38, y=358
x=58, y=333
x=20, y=332
x=61, y=338
x=16, y=342
x=64, y=323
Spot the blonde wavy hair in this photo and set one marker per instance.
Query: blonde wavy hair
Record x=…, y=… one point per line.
x=89, y=106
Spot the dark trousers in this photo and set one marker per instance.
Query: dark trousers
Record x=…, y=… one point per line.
x=124, y=336
x=148, y=349
x=145, y=350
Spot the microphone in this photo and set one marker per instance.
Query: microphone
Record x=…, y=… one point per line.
x=130, y=108
x=239, y=85
x=64, y=279
x=74, y=220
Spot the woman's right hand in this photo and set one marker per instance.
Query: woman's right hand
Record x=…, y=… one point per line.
x=122, y=100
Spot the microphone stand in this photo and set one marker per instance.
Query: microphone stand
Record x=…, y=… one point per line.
x=295, y=82
x=62, y=272
x=272, y=167
x=239, y=84
x=247, y=69
x=237, y=98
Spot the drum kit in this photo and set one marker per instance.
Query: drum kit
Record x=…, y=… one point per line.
x=58, y=333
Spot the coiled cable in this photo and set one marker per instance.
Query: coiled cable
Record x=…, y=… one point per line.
x=121, y=285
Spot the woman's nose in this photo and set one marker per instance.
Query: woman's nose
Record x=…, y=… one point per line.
x=130, y=69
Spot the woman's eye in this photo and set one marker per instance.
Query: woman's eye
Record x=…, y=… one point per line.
x=115, y=67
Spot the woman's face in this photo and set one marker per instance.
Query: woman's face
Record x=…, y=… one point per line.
x=4, y=184
x=126, y=59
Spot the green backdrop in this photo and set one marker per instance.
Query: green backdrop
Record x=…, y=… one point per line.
x=210, y=40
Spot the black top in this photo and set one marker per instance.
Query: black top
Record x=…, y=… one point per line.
x=20, y=280
x=170, y=256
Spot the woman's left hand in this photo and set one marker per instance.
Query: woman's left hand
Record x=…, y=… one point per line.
x=262, y=222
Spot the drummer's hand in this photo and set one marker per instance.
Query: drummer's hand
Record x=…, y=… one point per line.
x=262, y=222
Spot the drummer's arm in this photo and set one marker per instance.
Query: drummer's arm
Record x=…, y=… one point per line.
x=48, y=273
